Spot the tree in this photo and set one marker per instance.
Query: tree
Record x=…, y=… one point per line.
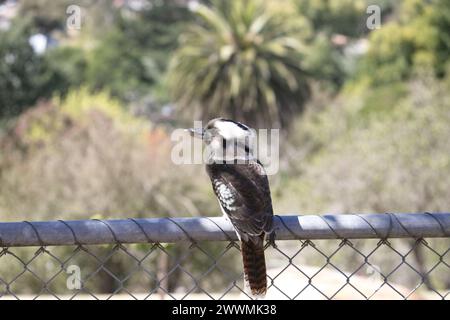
x=344, y=17
x=118, y=66
x=21, y=69
x=66, y=68
x=130, y=59
x=417, y=40
x=26, y=77
x=242, y=59
x=46, y=15
x=155, y=28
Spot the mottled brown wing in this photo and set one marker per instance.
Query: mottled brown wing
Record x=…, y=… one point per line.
x=244, y=194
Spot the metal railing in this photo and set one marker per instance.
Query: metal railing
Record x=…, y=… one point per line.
x=366, y=256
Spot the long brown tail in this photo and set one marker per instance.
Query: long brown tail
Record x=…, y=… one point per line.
x=254, y=266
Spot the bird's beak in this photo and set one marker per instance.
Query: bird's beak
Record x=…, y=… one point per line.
x=196, y=132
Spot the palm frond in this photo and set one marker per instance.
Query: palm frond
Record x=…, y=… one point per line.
x=242, y=59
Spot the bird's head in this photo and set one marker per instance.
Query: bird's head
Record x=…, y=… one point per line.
x=226, y=139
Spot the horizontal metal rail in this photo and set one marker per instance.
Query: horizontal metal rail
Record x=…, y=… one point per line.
x=163, y=230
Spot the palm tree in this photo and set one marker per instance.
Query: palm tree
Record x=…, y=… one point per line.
x=242, y=59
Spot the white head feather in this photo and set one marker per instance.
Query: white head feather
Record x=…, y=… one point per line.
x=230, y=130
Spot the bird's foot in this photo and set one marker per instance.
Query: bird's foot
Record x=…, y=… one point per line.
x=271, y=239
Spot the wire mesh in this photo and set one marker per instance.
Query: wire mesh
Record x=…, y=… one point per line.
x=379, y=267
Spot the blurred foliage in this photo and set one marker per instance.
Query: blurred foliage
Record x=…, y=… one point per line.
x=66, y=66
x=324, y=62
x=156, y=28
x=360, y=161
x=49, y=16
x=46, y=15
x=344, y=17
x=135, y=43
x=132, y=72
x=27, y=77
x=243, y=60
x=138, y=43
x=91, y=157
x=418, y=39
x=21, y=71
x=151, y=33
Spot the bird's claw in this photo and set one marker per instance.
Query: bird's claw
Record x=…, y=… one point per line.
x=271, y=239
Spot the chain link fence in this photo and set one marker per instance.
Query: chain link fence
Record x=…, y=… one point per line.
x=377, y=256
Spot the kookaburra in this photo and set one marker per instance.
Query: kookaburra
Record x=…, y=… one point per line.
x=242, y=188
